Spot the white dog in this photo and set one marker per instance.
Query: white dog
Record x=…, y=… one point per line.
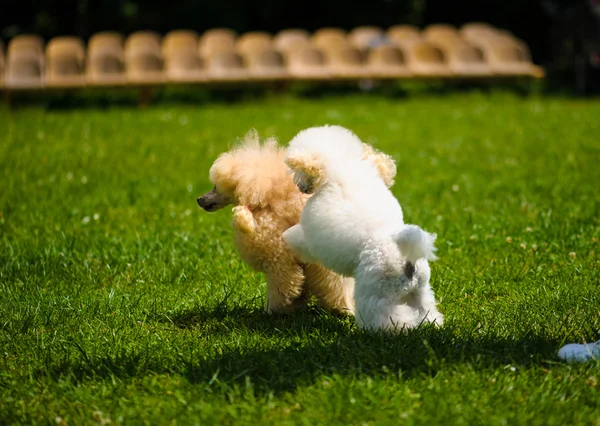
x=353, y=225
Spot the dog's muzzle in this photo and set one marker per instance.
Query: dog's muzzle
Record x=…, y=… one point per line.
x=208, y=202
x=305, y=187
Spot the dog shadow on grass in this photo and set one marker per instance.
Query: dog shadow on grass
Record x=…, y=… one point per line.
x=313, y=344
x=278, y=353
x=222, y=319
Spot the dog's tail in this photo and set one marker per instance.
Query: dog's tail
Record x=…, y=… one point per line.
x=415, y=243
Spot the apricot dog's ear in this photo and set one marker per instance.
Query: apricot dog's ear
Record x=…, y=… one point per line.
x=386, y=167
x=310, y=165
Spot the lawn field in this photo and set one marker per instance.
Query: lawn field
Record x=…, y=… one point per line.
x=122, y=302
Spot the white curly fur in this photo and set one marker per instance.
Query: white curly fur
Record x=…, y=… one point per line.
x=353, y=225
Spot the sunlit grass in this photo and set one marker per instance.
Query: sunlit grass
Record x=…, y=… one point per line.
x=120, y=300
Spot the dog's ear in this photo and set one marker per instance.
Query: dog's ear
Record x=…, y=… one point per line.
x=386, y=167
x=295, y=162
x=367, y=150
x=310, y=165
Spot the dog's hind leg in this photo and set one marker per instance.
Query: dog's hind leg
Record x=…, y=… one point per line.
x=334, y=292
x=285, y=286
x=295, y=241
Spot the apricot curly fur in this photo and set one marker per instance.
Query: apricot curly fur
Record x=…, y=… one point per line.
x=256, y=179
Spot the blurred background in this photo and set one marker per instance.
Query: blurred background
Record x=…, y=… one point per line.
x=563, y=35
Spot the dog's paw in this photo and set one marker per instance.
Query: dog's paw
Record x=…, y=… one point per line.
x=243, y=219
x=434, y=317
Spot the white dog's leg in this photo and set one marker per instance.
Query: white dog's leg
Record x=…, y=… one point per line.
x=413, y=310
x=429, y=310
x=377, y=313
x=396, y=304
x=296, y=242
x=425, y=297
x=382, y=302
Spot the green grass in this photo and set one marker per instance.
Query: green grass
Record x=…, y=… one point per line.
x=121, y=301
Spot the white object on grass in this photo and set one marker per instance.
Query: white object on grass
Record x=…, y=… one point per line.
x=574, y=352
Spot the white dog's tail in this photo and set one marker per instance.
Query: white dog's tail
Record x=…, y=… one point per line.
x=415, y=243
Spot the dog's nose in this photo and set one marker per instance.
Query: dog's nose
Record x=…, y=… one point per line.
x=200, y=201
x=305, y=187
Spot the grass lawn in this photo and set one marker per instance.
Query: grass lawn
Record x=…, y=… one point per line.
x=121, y=301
